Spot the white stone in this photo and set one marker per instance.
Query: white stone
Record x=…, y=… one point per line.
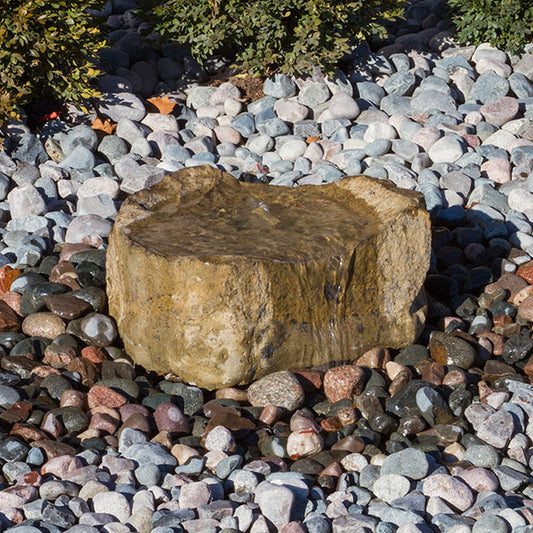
x=379, y=130
x=25, y=200
x=157, y=122
x=303, y=443
x=390, y=487
x=292, y=150
x=520, y=200
x=113, y=503
x=100, y=185
x=219, y=439
x=446, y=150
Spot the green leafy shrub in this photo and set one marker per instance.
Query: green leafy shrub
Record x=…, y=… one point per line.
x=46, y=50
x=505, y=24
x=266, y=36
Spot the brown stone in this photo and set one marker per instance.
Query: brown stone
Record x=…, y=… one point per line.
x=239, y=280
x=13, y=300
x=71, y=248
x=101, y=395
x=43, y=324
x=511, y=283
x=231, y=393
x=344, y=381
x=526, y=271
x=525, y=309
x=53, y=448
x=9, y=321
x=59, y=355
x=67, y=306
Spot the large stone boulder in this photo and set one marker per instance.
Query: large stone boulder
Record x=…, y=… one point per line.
x=221, y=282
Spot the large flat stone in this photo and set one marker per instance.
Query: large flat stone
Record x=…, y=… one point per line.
x=221, y=282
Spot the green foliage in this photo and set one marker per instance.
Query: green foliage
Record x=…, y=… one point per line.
x=46, y=49
x=505, y=24
x=266, y=36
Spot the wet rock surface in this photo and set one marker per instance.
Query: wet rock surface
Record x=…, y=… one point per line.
x=253, y=279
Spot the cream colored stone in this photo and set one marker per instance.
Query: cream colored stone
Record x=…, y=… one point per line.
x=222, y=282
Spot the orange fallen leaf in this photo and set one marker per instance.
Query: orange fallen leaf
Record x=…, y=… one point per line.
x=7, y=275
x=163, y=104
x=312, y=139
x=104, y=127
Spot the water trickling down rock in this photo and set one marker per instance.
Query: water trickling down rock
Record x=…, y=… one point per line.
x=222, y=282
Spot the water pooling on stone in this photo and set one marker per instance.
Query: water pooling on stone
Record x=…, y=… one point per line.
x=278, y=226
x=221, y=282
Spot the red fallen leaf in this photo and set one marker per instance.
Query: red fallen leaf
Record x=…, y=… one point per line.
x=104, y=127
x=163, y=104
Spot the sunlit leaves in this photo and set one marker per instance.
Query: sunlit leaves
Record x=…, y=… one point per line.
x=506, y=24
x=47, y=48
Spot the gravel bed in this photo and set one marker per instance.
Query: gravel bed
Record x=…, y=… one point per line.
x=433, y=438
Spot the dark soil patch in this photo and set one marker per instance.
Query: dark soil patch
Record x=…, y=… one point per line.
x=251, y=87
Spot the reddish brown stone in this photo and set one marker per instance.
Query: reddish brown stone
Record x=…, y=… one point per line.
x=73, y=398
x=33, y=479
x=496, y=340
x=71, y=248
x=138, y=421
x=53, y=448
x=86, y=369
x=20, y=409
x=500, y=320
x=131, y=408
x=351, y=444
x=511, y=283
x=333, y=469
x=94, y=354
x=52, y=425
x=232, y=422
x=169, y=417
x=310, y=380
x=28, y=433
x=495, y=370
x=454, y=378
x=44, y=370
x=343, y=382
x=399, y=382
x=60, y=465
x=13, y=300
x=232, y=393
x=434, y=373
x=525, y=309
x=212, y=409
x=271, y=414
x=62, y=268
x=375, y=358
x=104, y=422
x=528, y=369
x=100, y=395
x=331, y=424
x=9, y=321
x=67, y=306
x=59, y=355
